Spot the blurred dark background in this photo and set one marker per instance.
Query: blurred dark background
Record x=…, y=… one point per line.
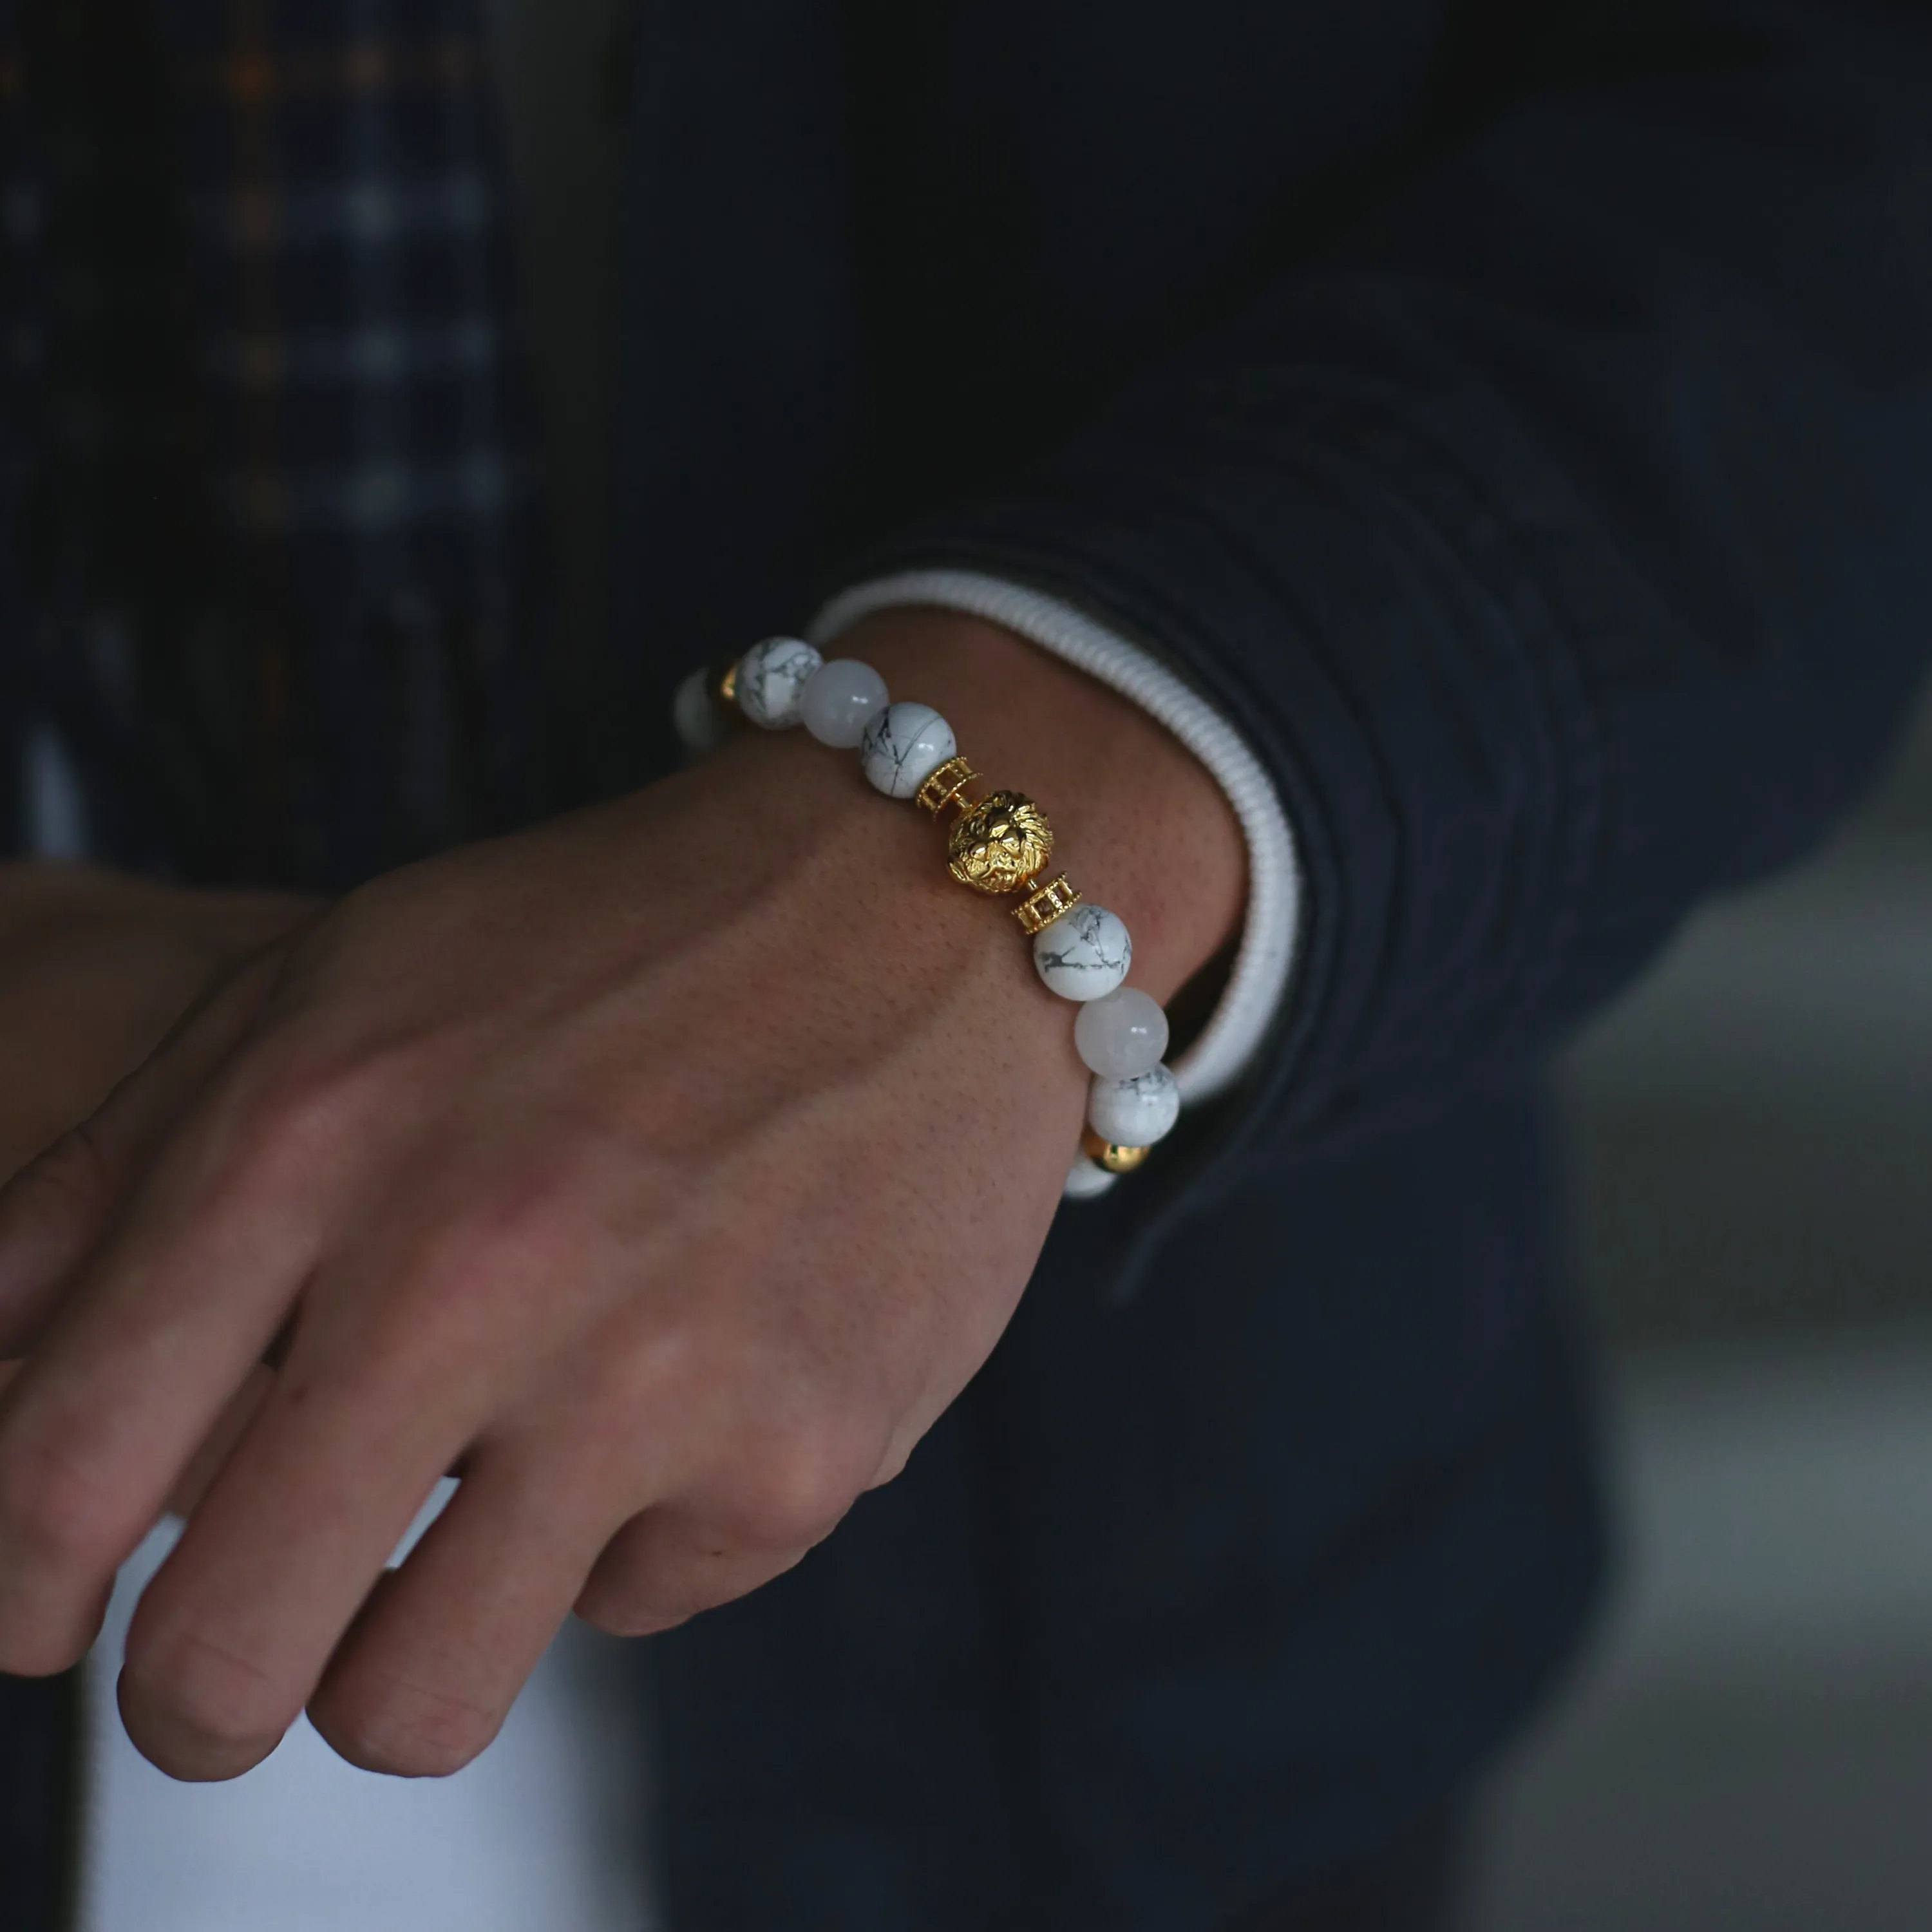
x=1750, y=1744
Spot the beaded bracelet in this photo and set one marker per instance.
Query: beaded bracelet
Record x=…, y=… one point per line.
x=997, y=844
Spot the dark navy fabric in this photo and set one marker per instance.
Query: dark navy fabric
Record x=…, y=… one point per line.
x=42, y=1749
x=1184, y=1602
x=264, y=433
x=1520, y=418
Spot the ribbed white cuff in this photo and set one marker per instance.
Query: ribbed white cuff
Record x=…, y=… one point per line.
x=1258, y=982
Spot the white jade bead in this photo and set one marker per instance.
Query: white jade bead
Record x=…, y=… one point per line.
x=772, y=678
x=1134, y=1113
x=843, y=698
x=701, y=726
x=1084, y=954
x=1121, y=1036
x=904, y=746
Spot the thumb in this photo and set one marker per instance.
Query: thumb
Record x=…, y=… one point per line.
x=54, y=1212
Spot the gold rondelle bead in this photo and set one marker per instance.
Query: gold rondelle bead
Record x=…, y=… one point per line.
x=944, y=788
x=999, y=844
x=724, y=685
x=1045, y=904
x=1115, y=1159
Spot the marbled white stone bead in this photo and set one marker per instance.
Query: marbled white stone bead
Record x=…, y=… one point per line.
x=772, y=678
x=1134, y=1113
x=904, y=746
x=844, y=697
x=1084, y=954
x=1121, y=1036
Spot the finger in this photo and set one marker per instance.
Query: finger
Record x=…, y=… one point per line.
x=232, y=1636
x=668, y=1564
x=214, y=1449
x=393, y=1373
x=154, y=1341
x=54, y=1212
x=788, y=1487
x=219, y=1443
x=428, y=1672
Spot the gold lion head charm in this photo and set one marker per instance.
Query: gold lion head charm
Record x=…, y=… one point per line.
x=999, y=844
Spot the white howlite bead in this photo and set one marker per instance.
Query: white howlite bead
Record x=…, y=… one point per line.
x=1134, y=1113
x=1121, y=1036
x=904, y=746
x=843, y=698
x=701, y=725
x=1084, y=955
x=772, y=678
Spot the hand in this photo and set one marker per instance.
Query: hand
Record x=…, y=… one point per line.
x=95, y=967
x=670, y=1168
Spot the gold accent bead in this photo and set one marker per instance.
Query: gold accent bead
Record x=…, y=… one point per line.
x=1045, y=904
x=999, y=844
x=1115, y=1159
x=944, y=788
x=724, y=685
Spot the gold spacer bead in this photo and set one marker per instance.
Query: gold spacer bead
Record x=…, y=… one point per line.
x=1045, y=904
x=1115, y=1159
x=724, y=685
x=944, y=788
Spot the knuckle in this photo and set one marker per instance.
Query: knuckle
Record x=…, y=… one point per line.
x=489, y=1240
x=69, y=1185
x=620, y=1611
x=459, y=1302
x=633, y=1599
x=791, y=1494
x=55, y=1508
x=300, y=1101
x=403, y=1729
x=315, y=1106
x=535, y=1206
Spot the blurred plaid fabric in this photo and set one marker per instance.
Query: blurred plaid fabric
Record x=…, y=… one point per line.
x=278, y=569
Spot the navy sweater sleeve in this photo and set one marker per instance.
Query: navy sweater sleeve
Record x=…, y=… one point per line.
x=1562, y=536
x=13, y=659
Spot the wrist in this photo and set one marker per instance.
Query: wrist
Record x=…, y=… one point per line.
x=1143, y=823
x=1139, y=809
